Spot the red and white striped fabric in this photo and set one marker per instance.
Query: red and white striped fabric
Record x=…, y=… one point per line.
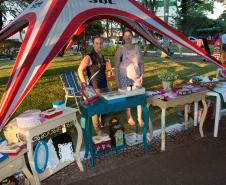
x=51, y=23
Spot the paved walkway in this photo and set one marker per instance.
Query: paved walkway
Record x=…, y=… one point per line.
x=188, y=160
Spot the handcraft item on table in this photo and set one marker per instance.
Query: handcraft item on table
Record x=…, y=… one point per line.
x=29, y=119
x=53, y=159
x=89, y=94
x=116, y=132
x=66, y=152
x=12, y=148
x=41, y=155
x=133, y=138
x=114, y=97
x=184, y=91
x=132, y=91
x=102, y=142
x=2, y=141
x=3, y=156
x=51, y=113
x=59, y=104
x=205, y=81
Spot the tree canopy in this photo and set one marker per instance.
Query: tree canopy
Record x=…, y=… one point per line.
x=11, y=8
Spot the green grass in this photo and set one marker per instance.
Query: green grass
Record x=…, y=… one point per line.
x=49, y=87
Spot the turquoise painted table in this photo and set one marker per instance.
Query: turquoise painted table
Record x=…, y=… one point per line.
x=102, y=107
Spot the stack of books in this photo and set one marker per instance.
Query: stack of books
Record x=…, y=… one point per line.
x=12, y=148
x=102, y=142
x=51, y=113
x=133, y=138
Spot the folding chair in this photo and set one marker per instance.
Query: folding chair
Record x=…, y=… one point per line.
x=71, y=87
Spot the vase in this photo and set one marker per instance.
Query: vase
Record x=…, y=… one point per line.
x=167, y=86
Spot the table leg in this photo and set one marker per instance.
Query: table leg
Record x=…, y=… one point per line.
x=218, y=111
x=31, y=160
x=203, y=117
x=85, y=137
x=150, y=130
x=136, y=120
x=145, y=114
x=150, y=125
x=91, y=144
x=196, y=113
x=28, y=174
x=186, y=116
x=163, y=127
x=78, y=145
x=217, y=114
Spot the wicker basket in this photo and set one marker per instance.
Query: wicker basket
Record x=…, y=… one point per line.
x=209, y=85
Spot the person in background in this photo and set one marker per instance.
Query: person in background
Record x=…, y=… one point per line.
x=180, y=50
x=206, y=45
x=200, y=42
x=129, y=68
x=223, y=49
x=94, y=65
x=217, y=44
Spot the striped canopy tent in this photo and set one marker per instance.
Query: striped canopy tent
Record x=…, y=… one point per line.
x=50, y=25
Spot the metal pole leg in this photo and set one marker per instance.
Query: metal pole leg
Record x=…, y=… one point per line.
x=163, y=126
x=196, y=113
x=217, y=115
x=186, y=116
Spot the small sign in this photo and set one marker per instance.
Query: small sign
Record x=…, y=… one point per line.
x=102, y=1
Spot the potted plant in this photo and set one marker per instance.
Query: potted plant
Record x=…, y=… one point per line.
x=167, y=78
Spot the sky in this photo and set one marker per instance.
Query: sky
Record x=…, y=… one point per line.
x=218, y=10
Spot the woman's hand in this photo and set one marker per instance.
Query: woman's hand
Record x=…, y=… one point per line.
x=141, y=78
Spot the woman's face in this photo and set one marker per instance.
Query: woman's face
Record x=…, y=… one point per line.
x=97, y=44
x=128, y=37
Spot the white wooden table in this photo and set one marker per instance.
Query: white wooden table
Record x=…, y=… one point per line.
x=217, y=111
x=49, y=127
x=180, y=100
x=15, y=164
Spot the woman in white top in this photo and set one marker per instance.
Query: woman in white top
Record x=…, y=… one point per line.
x=129, y=70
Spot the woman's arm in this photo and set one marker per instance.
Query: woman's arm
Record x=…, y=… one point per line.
x=82, y=67
x=118, y=55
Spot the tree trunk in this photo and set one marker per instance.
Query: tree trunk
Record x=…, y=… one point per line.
x=1, y=20
x=122, y=28
x=107, y=28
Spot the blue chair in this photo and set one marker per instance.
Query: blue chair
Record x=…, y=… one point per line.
x=71, y=87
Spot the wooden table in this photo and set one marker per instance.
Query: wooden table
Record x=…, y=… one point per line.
x=217, y=111
x=180, y=100
x=15, y=164
x=102, y=107
x=46, y=129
